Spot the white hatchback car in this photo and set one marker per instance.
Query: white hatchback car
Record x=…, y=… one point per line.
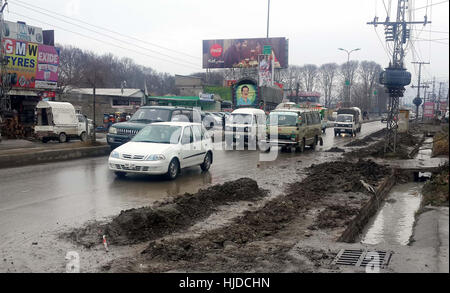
x=164, y=148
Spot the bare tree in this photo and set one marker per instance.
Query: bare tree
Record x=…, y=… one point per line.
x=309, y=74
x=368, y=74
x=327, y=78
x=348, y=72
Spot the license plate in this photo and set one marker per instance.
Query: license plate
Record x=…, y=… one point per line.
x=130, y=166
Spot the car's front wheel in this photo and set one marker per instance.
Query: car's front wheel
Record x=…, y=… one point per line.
x=174, y=170
x=206, y=162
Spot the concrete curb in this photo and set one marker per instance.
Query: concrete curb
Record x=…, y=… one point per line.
x=368, y=210
x=48, y=156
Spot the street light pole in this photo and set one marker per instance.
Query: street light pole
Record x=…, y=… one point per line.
x=347, y=82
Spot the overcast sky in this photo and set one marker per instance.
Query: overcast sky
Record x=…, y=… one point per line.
x=315, y=29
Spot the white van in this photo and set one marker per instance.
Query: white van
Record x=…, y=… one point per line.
x=58, y=121
x=246, y=125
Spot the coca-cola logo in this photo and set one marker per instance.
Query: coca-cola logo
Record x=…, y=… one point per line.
x=216, y=50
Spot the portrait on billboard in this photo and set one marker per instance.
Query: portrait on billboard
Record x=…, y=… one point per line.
x=242, y=53
x=246, y=95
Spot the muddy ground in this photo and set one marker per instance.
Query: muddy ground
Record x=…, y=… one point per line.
x=264, y=238
x=261, y=239
x=144, y=224
x=406, y=145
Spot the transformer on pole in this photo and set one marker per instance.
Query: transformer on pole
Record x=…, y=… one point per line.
x=396, y=77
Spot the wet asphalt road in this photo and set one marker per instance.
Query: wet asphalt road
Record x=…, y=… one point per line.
x=52, y=196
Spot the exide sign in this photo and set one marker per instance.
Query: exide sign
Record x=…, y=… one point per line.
x=216, y=50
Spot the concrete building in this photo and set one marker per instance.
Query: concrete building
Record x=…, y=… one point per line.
x=188, y=85
x=107, y=101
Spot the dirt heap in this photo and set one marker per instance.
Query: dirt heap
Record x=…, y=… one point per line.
x=344, y=176
x=138, y=225
x=436, y=191
x=440, y=143
x=335, y=216
x=276, y=215
x=405, y=141
x=368, y=139
x=335, y=150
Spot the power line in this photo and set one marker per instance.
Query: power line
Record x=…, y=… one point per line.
x=427, y=40
x=102, y=41
x=111, y=37
x=105, y=29
x=430, y=5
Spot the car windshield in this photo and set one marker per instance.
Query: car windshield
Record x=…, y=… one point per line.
x=165, y=134
x=151, y=115
x=283, y=119
x=240, y=119
x=345, y=118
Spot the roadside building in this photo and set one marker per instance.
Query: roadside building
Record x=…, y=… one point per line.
x=29, y=73
x=188, y=85
x=207, y=102
x=107, y=101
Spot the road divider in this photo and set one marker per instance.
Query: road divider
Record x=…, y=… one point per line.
x=42, y=155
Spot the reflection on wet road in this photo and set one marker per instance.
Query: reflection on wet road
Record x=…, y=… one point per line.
x=45, y=197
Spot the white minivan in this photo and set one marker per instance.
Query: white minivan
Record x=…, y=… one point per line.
x=246, y=125
x=59, y=121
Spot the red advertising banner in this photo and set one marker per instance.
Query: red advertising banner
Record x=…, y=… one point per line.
x=428, y=110
x=47, y=69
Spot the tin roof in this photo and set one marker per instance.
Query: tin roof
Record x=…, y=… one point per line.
x=115, y=92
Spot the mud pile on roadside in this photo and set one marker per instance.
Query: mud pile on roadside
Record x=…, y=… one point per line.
x=404, y=143
x=276, y=215
x=335, y=150
x=368, y=139
x=344, y=176
x=436, y=191
x=144, y=224
x=335, y=216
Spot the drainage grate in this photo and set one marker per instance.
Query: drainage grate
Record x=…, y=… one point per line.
x=362, y=258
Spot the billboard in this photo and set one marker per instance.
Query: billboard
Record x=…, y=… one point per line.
x=428, y=110
x=243, y=53
x=32, y=65
x=47, y=68
x=22, y=62
x=265, y=70
x=22, y=32
x=246, y=94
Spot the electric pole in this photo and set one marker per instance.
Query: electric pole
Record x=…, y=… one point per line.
x=268, y=17
x=395, y=77
x=5, y=83
x=418, y=101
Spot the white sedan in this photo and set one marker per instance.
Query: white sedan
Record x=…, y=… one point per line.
x=164, y=148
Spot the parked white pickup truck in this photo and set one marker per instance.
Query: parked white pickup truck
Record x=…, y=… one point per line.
x=58, y=121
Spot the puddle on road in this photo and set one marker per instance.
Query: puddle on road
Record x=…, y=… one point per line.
x=393, y=224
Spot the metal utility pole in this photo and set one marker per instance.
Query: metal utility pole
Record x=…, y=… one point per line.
x=268, y=17
x=348, y=84
x=395, y=78
x=418, y=101
x=439, y=99
x=5, y=83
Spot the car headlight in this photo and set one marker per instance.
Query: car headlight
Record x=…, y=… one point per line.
x=156, y=158
x=112, y=130
x=115, y=155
